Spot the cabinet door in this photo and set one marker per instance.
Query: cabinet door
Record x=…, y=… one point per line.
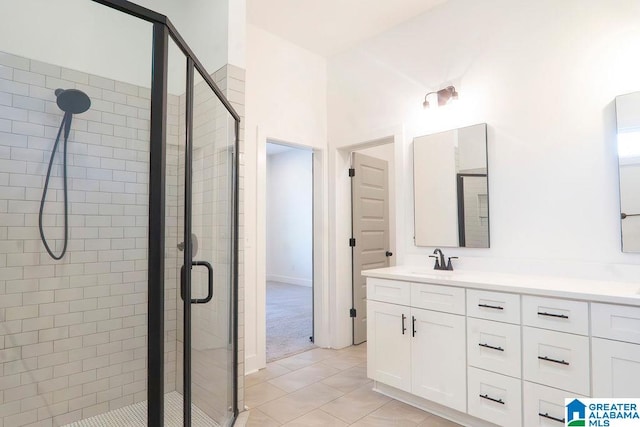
x=388, y=345
x=438, y=357
x=616, y=368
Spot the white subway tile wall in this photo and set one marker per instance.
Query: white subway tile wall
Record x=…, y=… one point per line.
x=476, y=213
x=73, y=332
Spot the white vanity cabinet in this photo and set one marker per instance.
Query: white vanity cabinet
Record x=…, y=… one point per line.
x=417, y=350
x=501, y=354
x=616, y=350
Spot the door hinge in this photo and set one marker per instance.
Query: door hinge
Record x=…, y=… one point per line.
x=352, y=242
x=352, y=312
x=352, y=172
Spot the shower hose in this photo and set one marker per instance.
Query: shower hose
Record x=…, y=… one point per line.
x=66, y=125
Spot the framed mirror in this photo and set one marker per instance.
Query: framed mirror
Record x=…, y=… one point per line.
x=628, y=122
x=451, y=191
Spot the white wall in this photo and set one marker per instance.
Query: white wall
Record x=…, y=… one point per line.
x=86, y=36
x=286, y=101
x=289, y=238
x=543, y=76
x=78, y=34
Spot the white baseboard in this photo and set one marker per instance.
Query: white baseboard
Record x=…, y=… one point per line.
x=429, y=406
x=251, y=365
x=300, y=281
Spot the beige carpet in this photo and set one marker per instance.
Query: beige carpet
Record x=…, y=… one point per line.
x=289, y=320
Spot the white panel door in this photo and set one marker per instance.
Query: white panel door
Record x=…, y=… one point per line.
x=370, y=229
x=438, y=357
x=389, y=344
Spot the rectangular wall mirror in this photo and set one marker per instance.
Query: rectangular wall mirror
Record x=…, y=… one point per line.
x=451, y=191
x=628, y=121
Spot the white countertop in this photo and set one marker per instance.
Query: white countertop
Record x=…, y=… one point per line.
x=590, y=290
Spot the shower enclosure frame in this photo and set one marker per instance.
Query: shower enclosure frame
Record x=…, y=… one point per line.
x=162, y=30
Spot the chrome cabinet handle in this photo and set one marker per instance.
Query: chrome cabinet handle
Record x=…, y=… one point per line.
x=491, y=347
x=495, y=307
x=561, y=316
x=548, y=359
x=546, y=415
x=486, y=396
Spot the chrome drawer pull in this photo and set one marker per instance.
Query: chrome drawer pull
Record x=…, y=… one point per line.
x=486, y=396
x=561, y=316
x=546, y=415
x=495, y=307
x=562, y=362
x=491, y=347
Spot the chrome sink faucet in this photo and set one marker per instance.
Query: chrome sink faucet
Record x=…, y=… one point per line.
x=440, y=263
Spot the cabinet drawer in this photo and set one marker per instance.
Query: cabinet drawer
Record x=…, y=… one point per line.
x=557, y=359
x=392, y=291
x=544, y=406
x=494, y=397
x=494, y=346
x=617, y=322
x=616, y=368
x=438, y=298
x=493, y=306
x=556, y=314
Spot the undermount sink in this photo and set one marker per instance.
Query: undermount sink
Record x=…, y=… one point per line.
x=432, y=272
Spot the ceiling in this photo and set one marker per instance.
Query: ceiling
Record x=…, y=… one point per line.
x=328, y=27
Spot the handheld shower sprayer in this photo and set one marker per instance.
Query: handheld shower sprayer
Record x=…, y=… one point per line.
x=71, y=101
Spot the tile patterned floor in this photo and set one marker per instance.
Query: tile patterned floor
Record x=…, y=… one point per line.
x=324, y=387
x=136, y=415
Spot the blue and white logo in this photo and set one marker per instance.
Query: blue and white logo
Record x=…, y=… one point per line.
x=576, y=413
x=602, y=412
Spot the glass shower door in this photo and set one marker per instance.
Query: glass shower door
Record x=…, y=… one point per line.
x=206, y=281
x=211, y=221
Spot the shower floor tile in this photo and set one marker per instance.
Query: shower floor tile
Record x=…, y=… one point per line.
x=136, y=415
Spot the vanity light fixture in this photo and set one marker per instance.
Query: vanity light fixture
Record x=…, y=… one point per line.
x=444, y=96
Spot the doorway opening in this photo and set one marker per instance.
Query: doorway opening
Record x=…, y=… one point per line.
x=372, y=221
x=289, y=250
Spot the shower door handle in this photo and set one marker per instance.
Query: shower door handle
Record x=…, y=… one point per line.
x=209, y=268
